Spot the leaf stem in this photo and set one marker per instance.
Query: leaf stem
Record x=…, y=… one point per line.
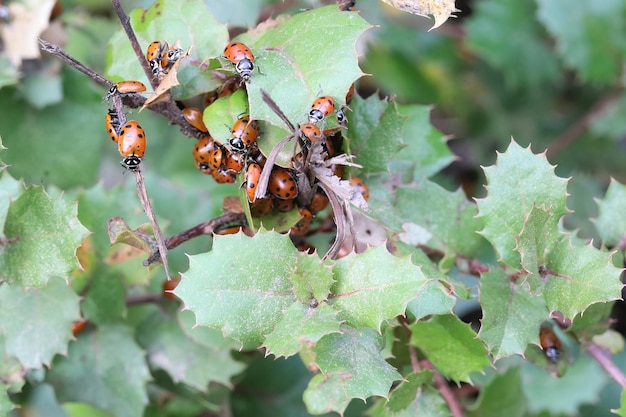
x=603, y=357
x=446, y=391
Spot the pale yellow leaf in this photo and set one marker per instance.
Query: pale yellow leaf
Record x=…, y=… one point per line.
x=441, y=10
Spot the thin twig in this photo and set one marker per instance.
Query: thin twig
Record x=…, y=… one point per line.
x=147, y=206
x=72, y=62
x=444, y=389
x=204, y=228
x=130, y=33
x=603, y=357
x=412, y=351
x=144, y=298
x=340, y=221
x=581, y=126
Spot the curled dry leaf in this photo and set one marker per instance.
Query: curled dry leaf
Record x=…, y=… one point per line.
x=169, y=81
x=20, y=36
x=441, y=10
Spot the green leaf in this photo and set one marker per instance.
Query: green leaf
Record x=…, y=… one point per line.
x=9, y=75
x=366, y=293
x=42, y=402
x=501, y=396
x=512, y=314
x=301, y=326
x=31, y=135
x=246, y=297
x=375, y=132
x=190, y=22
x=578, y=277
x=5, y=402
x=611, y=221
x=10, y=190
x=519, y=181
x=186, y=361
x=307, y=289
x=84, y=410
x=289, y=58
x=584, y=36
x=580, y=385
x=426, y=402
x=404, y=395
x=426, y=152
x=352, y=367
x=439, y=218
x=622, y=409
x=42, y=234
x=451, y=346
x=524, y=60
x=432, y=298
x=105, y=298
x=105, y=369
x=37, y=324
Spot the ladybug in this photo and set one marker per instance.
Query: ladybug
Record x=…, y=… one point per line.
x=216, y=158
x=202, y=152
x=261, y=207
x=284, y=205
x=300, y=228
x=131, y=144
x=310, y=132
x=169, y=58
x=243, y=134
x=321, y=108
x=233, y=162
x=550, y=344
x=155, y=50
x=319, y=202
x=350, y=94
x=253, y=173
x=358, y=184
x=210, y=97
x=342, y=120
x=169, y=286
x=222, y=176
x=126, y=87
x=242, y=57
x=112, y=124
x=79, y=326
x=282, y=185
x=193, y=116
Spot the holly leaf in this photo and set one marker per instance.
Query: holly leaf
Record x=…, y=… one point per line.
x=244, y=298
x=584, y=36
x=105, y=299
x=501, y=396
x=578, y=276
x=5, y=402
x=512, y=314
x=445, y=220
x=432, y=298
x=519, y=181
x=41, y=234
x=191, y=23
x=611, y=221
x=366, y=293
x=10, y=190
x=529, y=63
x=105, y=369
x=37, y=324
x=301, y=327
x=352, y=367
x=311, y=290
x=375, y=131
x=404, y=395
x=184, y=359
x=290, y=67
x=426, y=152
x=451, y=346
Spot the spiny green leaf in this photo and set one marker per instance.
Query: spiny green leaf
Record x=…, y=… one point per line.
x=42, y=234
x=242, y=285
x=301, y=326
x=451, y=346
x=525, y=60
x=407, y=392
x=366, y=293
x=105, y=369
x=307, y=289
x=501, y=396
x=432, y=298
x=105, y=298
x=351, y=362
x=518, y=181
x=447, y=219
x=84, y=410
x=289, y=57
x=42, y=402
x=584, y=35
x=427, y=402
x=375, y=132
x=426, y=152
x=190, y=22
x=324, y=394
x=186, y=361
x=211, y=338
x=579, y=276
x=512, y=314
x=611, y=221
x=10, y=190
x=37, y=324
x=580, y=385
x=5, y=403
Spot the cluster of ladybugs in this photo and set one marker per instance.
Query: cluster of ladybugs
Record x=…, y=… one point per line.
x=131, y=138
